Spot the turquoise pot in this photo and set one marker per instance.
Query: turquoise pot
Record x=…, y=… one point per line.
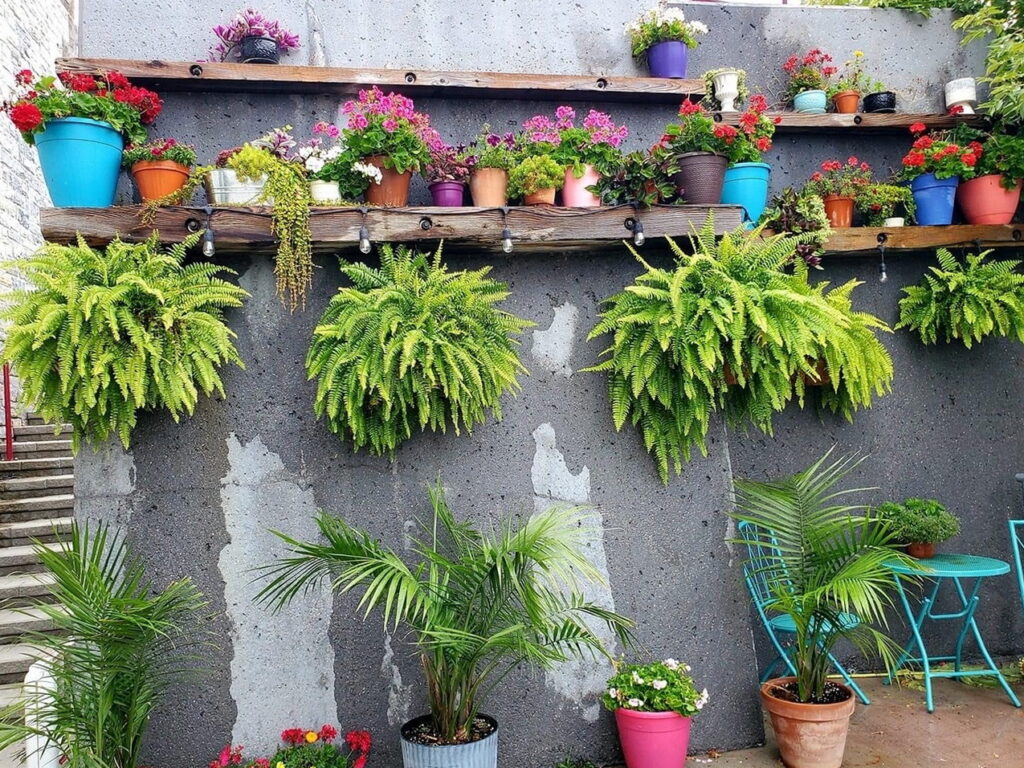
x=81, y=160
x=746, y=185
x=810, y=102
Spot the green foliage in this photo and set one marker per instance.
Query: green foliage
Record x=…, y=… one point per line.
x=879, y=202
x=1003, y=20
x=800, y=213
x=120, y=643
x=644, y=178
x=661, y=686
x=1003, y=154
x=822, y=558
x=919, y=520
x=534, y=174
x=159, y=149
x=966, y=301
x=478, y=604
x=412, y=345
x=98, y=335
x=731, y=310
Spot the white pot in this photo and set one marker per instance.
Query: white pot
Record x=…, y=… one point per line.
x=962, y=92
x=223, y=187
x=727, y=88
x=324, y=191
x=894, y=221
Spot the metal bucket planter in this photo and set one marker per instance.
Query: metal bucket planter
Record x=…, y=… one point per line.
x=223, y=187
x=475, y=754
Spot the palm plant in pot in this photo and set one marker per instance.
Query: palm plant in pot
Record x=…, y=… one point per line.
x=478, y=603
x=838, y=185
x=664, y=36
x=160, y=167
x=920, y=524
x=252, y=38
x=824, y=566
x=489, y=157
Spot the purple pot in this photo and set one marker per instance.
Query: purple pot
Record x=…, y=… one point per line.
x=447, y=194
x=667, y=59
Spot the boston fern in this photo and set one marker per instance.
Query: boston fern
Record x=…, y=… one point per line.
x=965, y=301
x=98, y=335
x=412, y=345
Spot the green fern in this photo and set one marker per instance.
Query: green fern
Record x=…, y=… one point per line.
x=731, y=307
x=965, y=301
x=411, y=346
x=99, y=335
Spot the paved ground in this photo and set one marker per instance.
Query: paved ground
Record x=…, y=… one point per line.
x=970, y=728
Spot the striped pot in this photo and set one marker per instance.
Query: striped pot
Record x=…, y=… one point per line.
x=476, y=754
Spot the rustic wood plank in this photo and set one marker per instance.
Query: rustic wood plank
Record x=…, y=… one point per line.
x=898, y=122
x=867, y=239
x=168, y=76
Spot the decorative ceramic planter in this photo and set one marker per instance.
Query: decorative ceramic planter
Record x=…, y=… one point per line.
x=475, y=754
x=447, y=194
x=653, y=739
x=668, y=59
x=81, y=160
x=540, y=197
x=727, y=89
x=985, y=200
x=489, y=187
x=159, y=178
x=258, y=50
x=811, y=102
x=882, y=101
x=575, y=193
x=324, y=191
x=808, y=735
x=393, y=190
x=846, y=102
x=700, y=177
x=963, y=93
x=224, y=187
x=922, y=550
x=934, y=199
x=894, y=221
x=839, y=210
x=746, y=185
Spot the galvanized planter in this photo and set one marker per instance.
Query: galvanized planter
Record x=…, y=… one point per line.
x=476, y=754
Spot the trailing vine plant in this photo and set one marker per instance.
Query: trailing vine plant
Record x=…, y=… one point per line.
x=98, y=335
x=412, y=345
x=180, y=196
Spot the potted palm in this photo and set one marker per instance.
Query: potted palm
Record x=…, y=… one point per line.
x=252, y=38
x=526, y=574
x=825, y=566
x=665, y=36
x=920, y=524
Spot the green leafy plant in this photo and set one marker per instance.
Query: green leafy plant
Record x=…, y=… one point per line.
x=822, y=557
x=534, y=174
x=662, y=24
x=159, y=149
x=412, y=345
x=918, y=520
x=879, y=202
x=800, y=213
x=661, y=686
x=1001, y=24
x=118, y=644
x=478, y=603
x=967, y=300
x=710, y=101
x=1003, y=154
x=98, y=335
x=644, y=178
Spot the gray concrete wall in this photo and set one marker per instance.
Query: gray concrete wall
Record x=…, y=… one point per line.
x=197, y=496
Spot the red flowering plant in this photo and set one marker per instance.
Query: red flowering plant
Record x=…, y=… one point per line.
x=302, y=748
x=697, y=131
x=811, y=72
x=837, y=179
x=388, y=125
x=159, y=149
x=754, y=135
x=940, y=154
x=109, y=97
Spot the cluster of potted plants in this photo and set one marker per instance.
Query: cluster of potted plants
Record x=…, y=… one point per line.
x=919, y=524
x=665, y=37
x=814, y=81
x=304, y=748
x=252, y=38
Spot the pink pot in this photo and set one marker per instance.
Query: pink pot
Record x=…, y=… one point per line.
x=653, y=739
x=985, y=201
x=575, y=194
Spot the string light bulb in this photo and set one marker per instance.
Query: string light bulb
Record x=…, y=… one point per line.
x=638, y=233
x=364, y=234
x=882, y=274
x=506, y=240
x=208, y=247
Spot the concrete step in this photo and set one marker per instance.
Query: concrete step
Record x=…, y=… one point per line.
x=21, y=559
x=14, y=622
x=37, y=507
x=34, y=449
x=42, y=467
x=15, y=659
x=27, y=487
x=24, y=532
x=20, y=589
x=9, y=694
x=29, y=432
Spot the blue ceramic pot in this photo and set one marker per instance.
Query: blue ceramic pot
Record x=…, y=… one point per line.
x=475, y=754
x=934, y=199
x=668, y=59
x=810, y=102
x=746, y=185
x=81, y=160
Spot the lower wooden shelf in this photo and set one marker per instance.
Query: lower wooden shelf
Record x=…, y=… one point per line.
x=860, y=240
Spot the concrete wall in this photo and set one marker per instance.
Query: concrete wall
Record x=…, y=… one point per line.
x=197, y=497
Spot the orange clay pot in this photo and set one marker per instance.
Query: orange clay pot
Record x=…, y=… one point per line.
x=846, y=101
x=540, y=197
x=922, y=550
x=489, y=187
x=159, y=178
x=808, y=735
x=839, y=210
x=393, y=190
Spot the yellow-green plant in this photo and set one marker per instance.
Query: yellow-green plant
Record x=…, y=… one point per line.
x=100, y=334
x=410, y=346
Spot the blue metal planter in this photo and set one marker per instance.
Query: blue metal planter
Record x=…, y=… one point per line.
x=476, y=754
x=81, y=160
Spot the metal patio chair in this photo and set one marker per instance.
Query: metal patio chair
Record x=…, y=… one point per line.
x=755, y=573
x=1017, y=545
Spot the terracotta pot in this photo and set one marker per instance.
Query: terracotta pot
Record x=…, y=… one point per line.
x=922, y=550
x=393, y=190
x=821, y=379
x=575, y=193
x=846, y=101
x=159, y=178
x=985, y=201
x=808, y=735
x=839, y=210
x=489, y=187
x=540, y=197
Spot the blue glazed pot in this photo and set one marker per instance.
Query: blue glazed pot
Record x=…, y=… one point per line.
x=934, y=199
x=746, y=185
x=810, y=102
x=668, y=59
x=81, y=160
x=476, y=754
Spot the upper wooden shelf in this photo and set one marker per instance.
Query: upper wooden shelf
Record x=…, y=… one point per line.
x=167, y=76
x=877, y=122
x=867, y=239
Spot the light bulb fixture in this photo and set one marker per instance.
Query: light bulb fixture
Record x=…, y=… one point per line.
x=208, y=247
x=882, y=274
x=506, y=233
x=638, y=233
x=364, y=234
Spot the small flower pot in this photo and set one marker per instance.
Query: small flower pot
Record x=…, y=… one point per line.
x=846, y=102
x=489, y=187
x=447, y=194
x=159, y=178
x=922, y=550
x=882, y=101
x=808, y=735
x=475, y=754
x=81, y=160
x=393, y=190
x=746, y=185
x=258, y=50
x=894, y=221
x=985, y=200
x=811, y=102
x=700, y=177
x=540, y=197
x=575, y=193
x=934, y=199
x=963, y=93
x=324, y=191
x=653, y=739
x=668, y=59
x=223, y=187
x=727, y=89
x=839, y=210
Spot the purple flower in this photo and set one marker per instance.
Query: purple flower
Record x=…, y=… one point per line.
x=493, y=139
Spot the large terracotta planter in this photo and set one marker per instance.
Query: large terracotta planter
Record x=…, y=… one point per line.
x=575, y=193
x=808, y=735
x=540, y=197
x=922, y=550
x=159, y=178
x=653, y=739
x=700, y=177
x=489, y=187
x=839, y=210
x=846, y=101
x=985, y=201
x=393, y=190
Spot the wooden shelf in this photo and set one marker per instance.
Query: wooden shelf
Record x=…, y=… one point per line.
x=168, y=76
x=873, y=122
x=532, y=227
x=867, y=239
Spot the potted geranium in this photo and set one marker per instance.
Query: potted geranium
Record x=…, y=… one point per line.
x=935, y=165
x=724, y=87
x=665, y=36
x=809, y=79
x=920, y=524
x=845, y=92
x=302, y=748
x=653, y=705
x=880, y=203
x=159, y=167
x=838, y=184
x=535, y=180
x=747, y=177
x=79, y=124
x=252, y=38
x=993, y=196
x=446, y=173
x=489, y=157
x=697, y=146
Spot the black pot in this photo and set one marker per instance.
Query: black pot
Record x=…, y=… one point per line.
x=259, y=50
x=883, y=101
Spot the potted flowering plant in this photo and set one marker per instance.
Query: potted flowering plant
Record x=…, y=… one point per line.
x=253, y=39
x=992, y=197
x=238, y=176
x=935, y=166
x=387, y=131
x=666, y=36
x=489, y=157
x=302, y=748
x=697, y=146
x=845, y=92
x=880, y=203
x=79, y=123
x=653, y=706
x=333, y=171
x=809, y=78
x=159, y=167
x=838, y=185
x=446, y=173
x=535, y=180
x=747, y=177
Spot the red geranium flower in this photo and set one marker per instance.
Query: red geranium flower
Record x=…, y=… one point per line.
x=117, y=80
x=26, y=117
x=918, y=127
x=852, y=160
x=359, y=762
x=763, y=144
x=816, y=176
x=24, y=77
x=358, y=741
x=328, y=733
x=81, y=83
x=293, y=736
x=924, y=142
x=969, y=159
x=956, y=109
x=914, y=159
x=690, y=108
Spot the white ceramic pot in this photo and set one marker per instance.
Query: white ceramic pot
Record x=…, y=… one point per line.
x=324, y=191
x=894, y=221
x=727, y=88
x=223, y=187
x=962, y=92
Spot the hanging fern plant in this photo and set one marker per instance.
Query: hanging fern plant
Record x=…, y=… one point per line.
x=410, y=346
x=99, y=335
x=727, y=329
x=966, y=301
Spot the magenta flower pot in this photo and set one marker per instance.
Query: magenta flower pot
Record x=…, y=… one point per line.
x=653, y=739
x=447, y=194
x=668, y=59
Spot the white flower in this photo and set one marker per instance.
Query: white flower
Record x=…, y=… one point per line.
x=334, y=152
x=613, y=692
x=370, y=171
x=635, y=703
x=659, y=684
x=702, y=699
x=637, y=679
x=686, y=668
x=305, y=152
x=314, y=164
x=671, y=663
x=698, y=27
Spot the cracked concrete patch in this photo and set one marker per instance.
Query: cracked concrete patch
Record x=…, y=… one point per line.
x=399, y=694
x=552, y=348
x=104, y=483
